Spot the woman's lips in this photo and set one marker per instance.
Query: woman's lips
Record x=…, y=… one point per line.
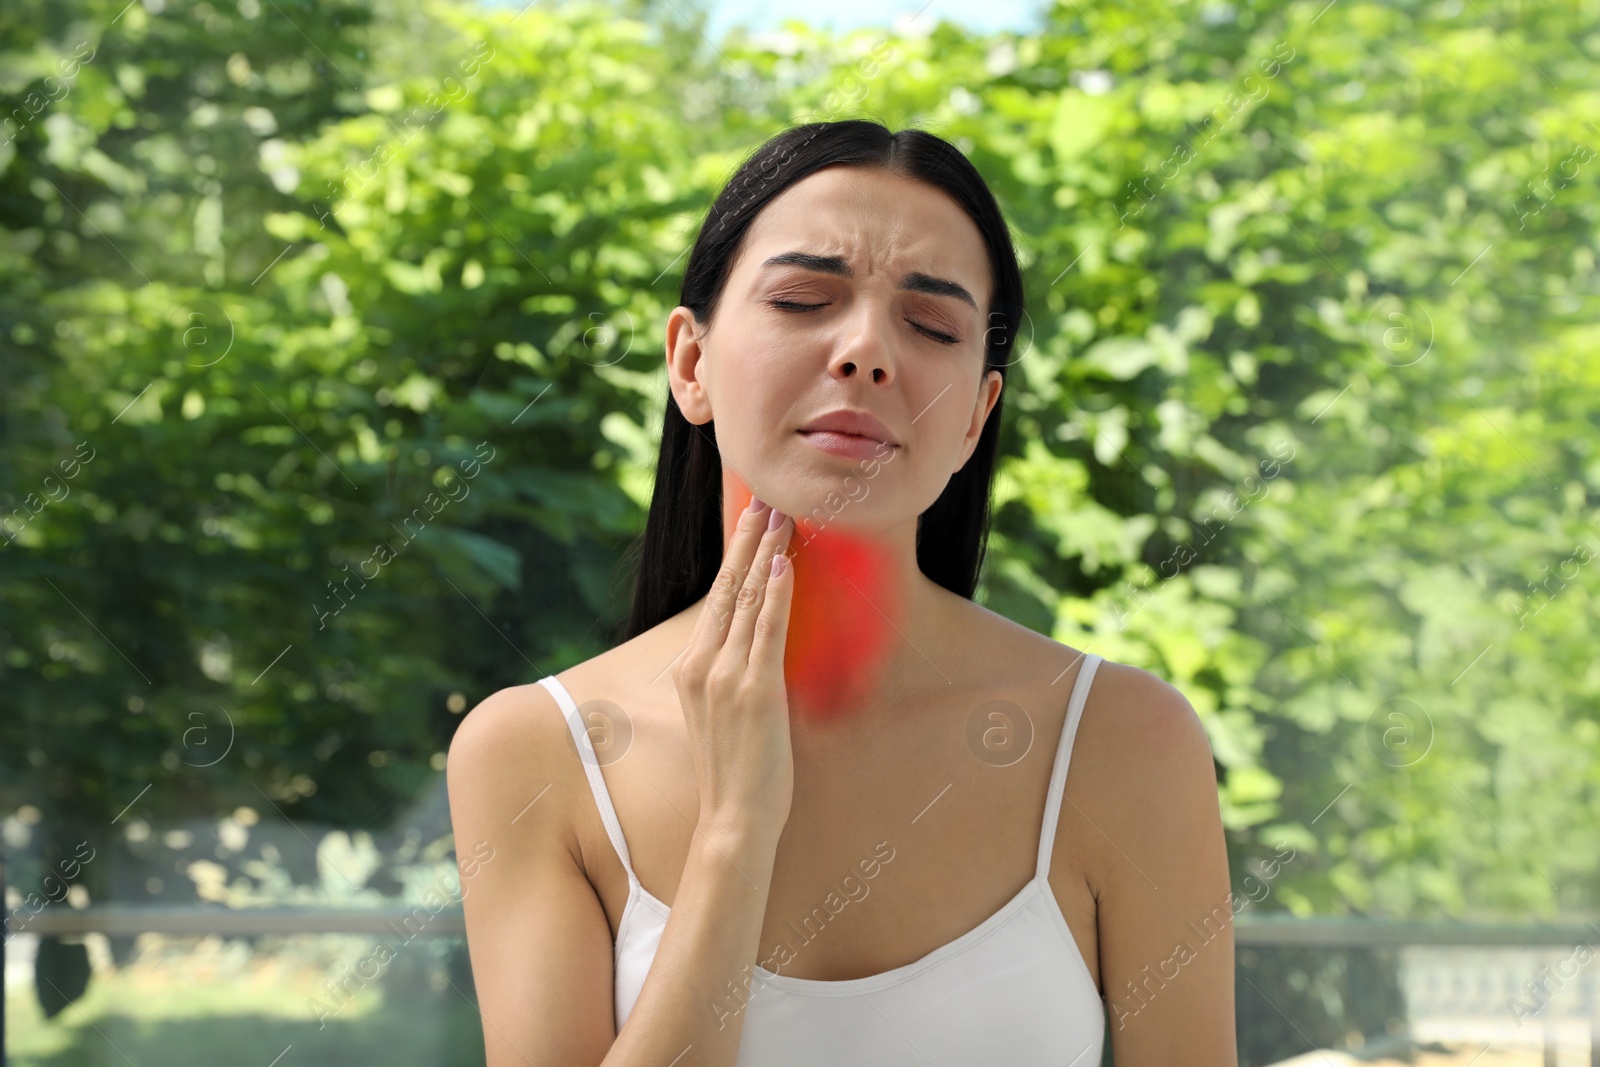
x=849, y=445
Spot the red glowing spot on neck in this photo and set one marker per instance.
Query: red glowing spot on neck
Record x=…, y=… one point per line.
x=839, y=623
x=844, y=618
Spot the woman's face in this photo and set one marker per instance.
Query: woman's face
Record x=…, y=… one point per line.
x=854, y=289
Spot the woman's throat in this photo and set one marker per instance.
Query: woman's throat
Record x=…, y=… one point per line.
x=848, y=610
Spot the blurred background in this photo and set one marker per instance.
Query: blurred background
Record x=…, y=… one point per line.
x=330, y=387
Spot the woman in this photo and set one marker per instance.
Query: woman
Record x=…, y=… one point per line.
x=844, y=833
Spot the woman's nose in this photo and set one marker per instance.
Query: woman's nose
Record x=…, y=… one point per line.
x=867, y=349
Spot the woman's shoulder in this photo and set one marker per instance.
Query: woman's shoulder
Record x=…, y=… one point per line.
x=524, y=726
x=512, y=738
x=1134, y=721
x=633, y=676
x=1142, y=765
x=1142, y=721
x=1144, y=701
x=1143, y=778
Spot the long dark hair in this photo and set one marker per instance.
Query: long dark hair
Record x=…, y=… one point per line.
x=681, y=548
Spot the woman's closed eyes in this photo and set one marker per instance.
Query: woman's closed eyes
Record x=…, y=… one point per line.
x=790, y=305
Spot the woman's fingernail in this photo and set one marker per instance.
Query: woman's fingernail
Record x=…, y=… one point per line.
x=755, y=504
x=779, y=562
x=775, y=521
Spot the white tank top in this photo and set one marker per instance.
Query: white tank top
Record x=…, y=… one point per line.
x=1014, y=989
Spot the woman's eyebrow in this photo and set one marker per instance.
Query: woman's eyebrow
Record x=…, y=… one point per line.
x=915, y=282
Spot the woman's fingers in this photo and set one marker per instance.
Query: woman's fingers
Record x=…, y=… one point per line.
x=771, y=629
x=736, y=711
x=711, y=628
x=753, y=594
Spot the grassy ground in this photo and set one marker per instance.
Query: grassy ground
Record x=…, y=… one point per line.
x=1464, y=1056
x=192, y=1011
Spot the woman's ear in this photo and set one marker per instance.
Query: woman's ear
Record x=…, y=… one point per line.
x=686, y=365
x=988, y=396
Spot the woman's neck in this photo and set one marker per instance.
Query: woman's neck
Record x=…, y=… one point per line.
x=850, y=615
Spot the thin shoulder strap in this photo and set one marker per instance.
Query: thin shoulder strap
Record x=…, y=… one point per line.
x=1058, y=776
x=591, y=767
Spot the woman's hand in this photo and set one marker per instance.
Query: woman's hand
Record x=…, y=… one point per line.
x=731, y=686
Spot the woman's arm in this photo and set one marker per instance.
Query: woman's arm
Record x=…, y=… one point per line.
x=539, y=940
x=1152, y=823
